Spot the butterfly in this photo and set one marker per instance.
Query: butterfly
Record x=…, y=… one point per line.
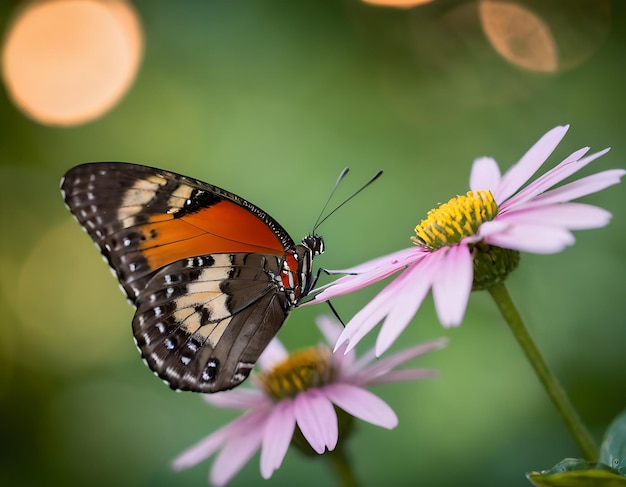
x=212, y=277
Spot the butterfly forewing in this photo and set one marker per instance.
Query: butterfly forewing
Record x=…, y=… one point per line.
x=213, y=277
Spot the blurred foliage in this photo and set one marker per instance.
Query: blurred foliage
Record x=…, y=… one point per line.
x=271, y=99
x=577, y=473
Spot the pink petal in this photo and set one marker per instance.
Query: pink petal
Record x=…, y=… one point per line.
x=492, y=227
x=405, y=375
x=367, y=318
x=485, y=174
x=362, y=404
x=239, y=399
x=536, y=239
x=236, y=454
x=275, y=352
x=391, y=299
x=384, y=366
x=569, y=166
x=343, y=359
x=348, y=284
x=400, y=257
x=209, y=445
x=530, y=162
x=582, y=187
x=330, y=328
x=317, y=420
x=453, y=285
x=201, y=450
x=573, y=216
x=359, y=364
x=277, y=436
x=411, y=286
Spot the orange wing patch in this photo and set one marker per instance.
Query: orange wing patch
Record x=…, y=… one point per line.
x=222, y=227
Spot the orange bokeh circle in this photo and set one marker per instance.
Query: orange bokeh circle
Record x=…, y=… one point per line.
x=545, y=36
x=66, y=62
x=519, y=35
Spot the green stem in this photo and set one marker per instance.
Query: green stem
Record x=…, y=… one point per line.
x=551, y=384
x=341, y=467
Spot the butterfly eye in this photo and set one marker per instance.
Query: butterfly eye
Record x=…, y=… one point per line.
x=315, y=243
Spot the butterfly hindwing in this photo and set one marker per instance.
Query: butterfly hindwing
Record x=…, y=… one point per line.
x=202, y=323
x=212, y=276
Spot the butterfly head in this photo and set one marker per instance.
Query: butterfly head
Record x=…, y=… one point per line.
x=315, y=243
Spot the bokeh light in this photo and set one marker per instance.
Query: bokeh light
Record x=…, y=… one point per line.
x=398, y=3
x=541, y=36
x=83, y=334
x=66, y=62
x=519, y=35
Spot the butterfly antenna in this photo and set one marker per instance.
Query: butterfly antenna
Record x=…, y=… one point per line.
x=343, y=173
x=339, y=179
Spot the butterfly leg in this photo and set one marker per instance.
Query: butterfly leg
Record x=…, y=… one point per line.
x=332, y=308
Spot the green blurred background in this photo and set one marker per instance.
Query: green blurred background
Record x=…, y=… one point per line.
x=271, y=99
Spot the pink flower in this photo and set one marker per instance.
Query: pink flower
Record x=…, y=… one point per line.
x=495, y=215
x=301, y=390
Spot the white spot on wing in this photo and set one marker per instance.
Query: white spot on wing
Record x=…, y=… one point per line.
x=179, y=196
x=158, y=362
x=171, y=372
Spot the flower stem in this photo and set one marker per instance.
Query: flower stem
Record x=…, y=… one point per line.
x=551, y=384
x=341, y=467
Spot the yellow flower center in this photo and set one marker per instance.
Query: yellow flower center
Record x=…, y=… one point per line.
x=460, y=217
x=301, y=371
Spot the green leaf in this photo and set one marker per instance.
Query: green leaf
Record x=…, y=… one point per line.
x=613, y=450
x=573, y=472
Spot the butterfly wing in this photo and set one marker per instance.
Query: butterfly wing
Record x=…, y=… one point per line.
x=201, y=265
x=202, y=322
x=143, y=219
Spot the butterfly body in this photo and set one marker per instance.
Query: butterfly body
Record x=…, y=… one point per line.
x=212, y=276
